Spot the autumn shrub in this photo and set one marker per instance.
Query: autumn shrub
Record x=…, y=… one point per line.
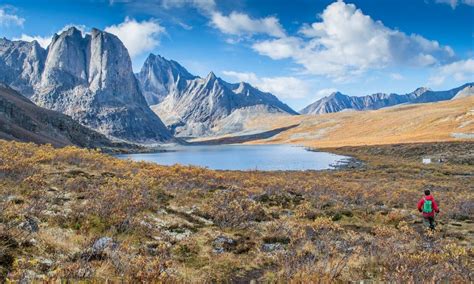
x=233, y=209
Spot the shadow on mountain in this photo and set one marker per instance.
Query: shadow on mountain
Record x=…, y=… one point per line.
x=243, y=138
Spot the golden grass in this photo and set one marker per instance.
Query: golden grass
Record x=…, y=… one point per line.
x=300, y=227
x=403, y=124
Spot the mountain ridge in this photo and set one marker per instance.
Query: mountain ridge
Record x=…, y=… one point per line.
x=88, y=77
x=196, y=106
x=337, y=101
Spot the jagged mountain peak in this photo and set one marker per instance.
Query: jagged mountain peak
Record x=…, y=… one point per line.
x=194, y=106
x=335, y=95
x=211, y=77
x=160, y=77
x=421, y=90
x=90, y=78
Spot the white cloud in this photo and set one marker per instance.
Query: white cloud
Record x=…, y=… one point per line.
x=241, y=24
x=138, y=37
x=282, y=87
x=346, y=43
x=455, y=3
x=43, y=41
x=461, y=71
x=7, y=19
x=396, y=76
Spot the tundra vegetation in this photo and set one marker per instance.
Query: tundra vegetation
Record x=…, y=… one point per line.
x=71, y=213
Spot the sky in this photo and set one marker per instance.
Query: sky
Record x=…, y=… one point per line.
x=299, y=50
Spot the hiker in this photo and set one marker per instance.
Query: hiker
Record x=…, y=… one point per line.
x=428, y=206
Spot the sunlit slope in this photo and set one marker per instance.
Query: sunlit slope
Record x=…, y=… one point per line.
x=442, y=121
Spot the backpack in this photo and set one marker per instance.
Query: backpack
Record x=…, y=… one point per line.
x=427, y=206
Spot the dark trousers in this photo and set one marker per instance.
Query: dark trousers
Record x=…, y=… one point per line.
x=430, y=222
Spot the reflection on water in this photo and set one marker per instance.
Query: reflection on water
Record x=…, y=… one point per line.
x=243, y=157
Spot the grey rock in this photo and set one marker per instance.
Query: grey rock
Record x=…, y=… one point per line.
x=89, y=78
x=194, y=106
x=223, y=244
x=30, y=224
x=160, y=77
x=22, y=120
x=270, y=247
x=103, y=243
x=21, y=64
x=337, y=101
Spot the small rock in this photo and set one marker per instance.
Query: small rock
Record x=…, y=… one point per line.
x=15, y=199
x=45, y=264
x=53, y=189
x=272, y=247
x=103, y=243
x=222, y=244
x=30, y=225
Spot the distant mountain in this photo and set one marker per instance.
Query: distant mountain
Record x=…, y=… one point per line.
x=194, y=106
x=22, y=120
x=89, y=78
x=337, y=101
x=466, y=92
x=160, y=77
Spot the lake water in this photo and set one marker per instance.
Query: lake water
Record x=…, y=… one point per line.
x=243, y=157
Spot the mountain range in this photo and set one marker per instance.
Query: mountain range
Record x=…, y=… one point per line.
x=89, y=77
x=193, y=106
x=337, y=101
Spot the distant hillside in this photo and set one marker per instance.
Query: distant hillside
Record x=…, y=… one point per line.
x=22, y=120
x=337, y=101
x=442, y=121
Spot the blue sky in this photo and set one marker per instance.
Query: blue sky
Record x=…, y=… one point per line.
x=300, y=50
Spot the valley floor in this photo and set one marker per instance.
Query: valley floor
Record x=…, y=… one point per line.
x=76, y=214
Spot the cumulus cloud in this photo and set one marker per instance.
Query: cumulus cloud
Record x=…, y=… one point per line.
x=461, y=71
x=455, y=3
x=346, y=43
x=282, y=87
x=9, y=19
x=138, y=37
x=241, y=24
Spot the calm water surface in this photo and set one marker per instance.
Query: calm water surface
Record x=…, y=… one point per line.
x=243, y=157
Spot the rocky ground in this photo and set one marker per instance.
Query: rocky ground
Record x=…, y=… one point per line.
x=76, y=214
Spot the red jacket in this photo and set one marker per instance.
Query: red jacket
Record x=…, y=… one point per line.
x=435, y=206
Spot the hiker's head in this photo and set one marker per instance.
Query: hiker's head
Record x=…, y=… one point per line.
x=427, y=192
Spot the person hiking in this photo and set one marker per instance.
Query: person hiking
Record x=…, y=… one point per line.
x=427, y=205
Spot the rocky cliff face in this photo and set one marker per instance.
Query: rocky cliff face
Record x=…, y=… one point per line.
x=90, y=78
x=160, y=77
x=204, y=107
x=21, y=64
x=22, y=120
x=194, y=106
x=339, y=102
